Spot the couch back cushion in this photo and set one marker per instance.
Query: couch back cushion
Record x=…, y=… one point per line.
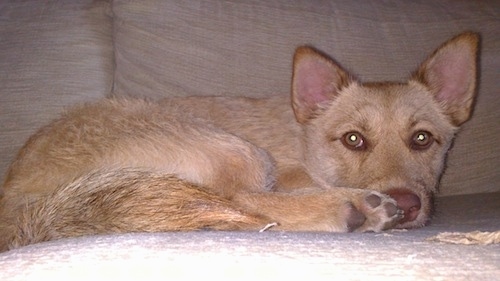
x=177, y=48
x=52, y=54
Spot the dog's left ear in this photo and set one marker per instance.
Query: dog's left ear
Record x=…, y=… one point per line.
x=316, y=80
x=451, y=75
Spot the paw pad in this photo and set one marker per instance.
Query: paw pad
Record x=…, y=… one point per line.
x=381, y=212
x=373, y=200
x=391, y=209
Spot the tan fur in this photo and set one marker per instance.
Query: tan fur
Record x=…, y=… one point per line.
x=128, y=165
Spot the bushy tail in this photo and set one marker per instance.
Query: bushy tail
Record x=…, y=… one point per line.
x=127, y=200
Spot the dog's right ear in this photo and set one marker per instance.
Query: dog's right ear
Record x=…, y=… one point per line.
x=316, y=80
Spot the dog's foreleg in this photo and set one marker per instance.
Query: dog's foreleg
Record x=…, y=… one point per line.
x=335, y=210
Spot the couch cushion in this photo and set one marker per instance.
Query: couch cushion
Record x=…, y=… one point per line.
x=52, y=54
x=216, y=47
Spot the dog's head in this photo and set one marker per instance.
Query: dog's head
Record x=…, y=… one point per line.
x=389, y=137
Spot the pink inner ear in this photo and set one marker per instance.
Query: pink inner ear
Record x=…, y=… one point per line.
x=452, y=75
x=315, y=81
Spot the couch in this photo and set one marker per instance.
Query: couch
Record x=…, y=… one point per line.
x=55, y=53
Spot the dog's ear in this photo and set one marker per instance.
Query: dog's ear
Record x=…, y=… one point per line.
x=451, y=75
x=316, y=80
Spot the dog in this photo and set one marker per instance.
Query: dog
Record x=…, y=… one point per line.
x=339, y=156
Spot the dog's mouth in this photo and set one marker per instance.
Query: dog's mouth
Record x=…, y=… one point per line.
x=415, y=208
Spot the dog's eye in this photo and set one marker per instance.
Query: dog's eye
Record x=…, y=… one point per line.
x=354, y=141
x=421, y=140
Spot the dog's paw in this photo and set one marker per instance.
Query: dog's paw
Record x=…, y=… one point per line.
x=373, y=211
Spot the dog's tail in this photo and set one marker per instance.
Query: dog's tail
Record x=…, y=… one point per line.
x=127, y=200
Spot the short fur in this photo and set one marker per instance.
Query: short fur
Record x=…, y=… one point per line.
x=346, y=156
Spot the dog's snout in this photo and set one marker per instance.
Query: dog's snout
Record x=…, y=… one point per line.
x=407, y=201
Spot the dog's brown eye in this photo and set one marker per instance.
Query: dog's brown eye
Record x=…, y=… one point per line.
x=354, y=141
x=421, y=140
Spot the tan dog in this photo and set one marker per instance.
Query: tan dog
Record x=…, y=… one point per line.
x=347, y=156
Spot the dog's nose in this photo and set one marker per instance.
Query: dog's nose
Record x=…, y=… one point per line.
x=407, y=201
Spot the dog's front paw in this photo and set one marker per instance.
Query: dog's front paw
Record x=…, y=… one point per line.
x=373, y=211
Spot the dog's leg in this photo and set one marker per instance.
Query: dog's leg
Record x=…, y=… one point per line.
x=338, y=210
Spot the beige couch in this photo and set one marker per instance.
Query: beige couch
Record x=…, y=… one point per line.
x=57, y=53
